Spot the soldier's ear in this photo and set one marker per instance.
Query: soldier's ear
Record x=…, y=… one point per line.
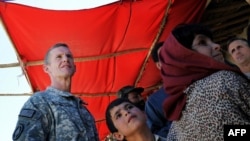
x=45, y=68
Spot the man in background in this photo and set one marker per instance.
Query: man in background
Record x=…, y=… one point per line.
x=133, y=94
x=239, y=54
x=155, y=114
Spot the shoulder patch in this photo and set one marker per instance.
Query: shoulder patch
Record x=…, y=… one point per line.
x=29, y=113
x=18, y=131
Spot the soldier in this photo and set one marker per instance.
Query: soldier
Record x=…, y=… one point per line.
x=55, y=114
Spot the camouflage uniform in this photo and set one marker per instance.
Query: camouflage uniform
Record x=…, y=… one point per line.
x=55, y=115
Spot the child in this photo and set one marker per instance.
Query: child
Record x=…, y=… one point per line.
x=128, y=123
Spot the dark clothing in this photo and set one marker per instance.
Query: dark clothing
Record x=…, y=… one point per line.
x=155, y=114
x=55, y=115
x=159, y=138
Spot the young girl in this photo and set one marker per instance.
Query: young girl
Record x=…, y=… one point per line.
x=204, y=93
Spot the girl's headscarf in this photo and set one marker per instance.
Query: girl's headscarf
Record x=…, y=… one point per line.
x=180, y=68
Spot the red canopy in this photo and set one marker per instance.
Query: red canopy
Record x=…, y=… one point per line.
x=111, y=44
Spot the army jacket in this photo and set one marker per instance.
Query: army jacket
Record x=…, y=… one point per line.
x=55, y=115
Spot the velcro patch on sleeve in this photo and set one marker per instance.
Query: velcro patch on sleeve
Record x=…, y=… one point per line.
x=29, y=113
x=18, y=131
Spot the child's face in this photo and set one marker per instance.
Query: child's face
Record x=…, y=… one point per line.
x=204, y=45
x=127, y=118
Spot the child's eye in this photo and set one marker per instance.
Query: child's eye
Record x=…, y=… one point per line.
x=130, y=106
x=58, y=56
x=202, y=42
x=69, y=56
x=118, y=116
x=232, y=51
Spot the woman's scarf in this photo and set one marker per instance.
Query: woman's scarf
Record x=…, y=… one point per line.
x=180, y=68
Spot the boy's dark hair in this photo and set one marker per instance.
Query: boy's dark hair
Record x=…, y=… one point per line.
x=109, y=121
x=185, y=33
x=154, y=52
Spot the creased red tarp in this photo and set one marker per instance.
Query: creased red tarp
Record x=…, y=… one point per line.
x=129, y=27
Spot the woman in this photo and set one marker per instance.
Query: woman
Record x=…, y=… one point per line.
x=204, y=92
x=128, y=123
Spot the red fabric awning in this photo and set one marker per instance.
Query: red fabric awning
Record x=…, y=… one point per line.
x=111, y=44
